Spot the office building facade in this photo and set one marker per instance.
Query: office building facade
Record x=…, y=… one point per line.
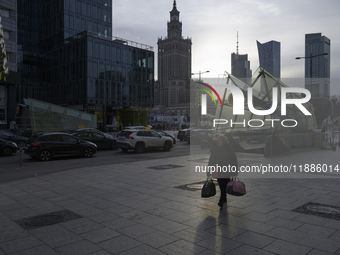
x=270, y=57
x=317, y=66
x=9, y=79
x=174, y=63
x=240, y=66
x=74, y=60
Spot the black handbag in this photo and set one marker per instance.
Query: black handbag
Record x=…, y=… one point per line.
x=209, y=188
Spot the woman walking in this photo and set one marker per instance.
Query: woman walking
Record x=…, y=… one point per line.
x=223, y=157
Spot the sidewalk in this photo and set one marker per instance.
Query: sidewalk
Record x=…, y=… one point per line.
x=145, y=207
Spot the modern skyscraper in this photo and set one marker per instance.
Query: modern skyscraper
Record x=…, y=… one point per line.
x=240, y=66
x=317, y=65
x=270, y=57
x=69, y=56
x=9, y=77
x=174, y=63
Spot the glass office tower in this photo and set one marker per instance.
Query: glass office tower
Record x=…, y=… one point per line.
x=72, y=58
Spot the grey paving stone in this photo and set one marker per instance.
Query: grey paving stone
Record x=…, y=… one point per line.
x=316, y=230
x=101, y=252
x=283, y=214
x=311, y=219
x=43, y=249
x=286, y=248
x=225, y=230
x=80, y=226
x=56, y=236
x=286, y=234
x=285, y=223
x=20, y=213
x=12, y=234
x=100, y=235
x=20, y=244
x=8, y=225
x=157, y=239
x=335, y=236
x=322, y=244
x=142, y=250
x=136, y=230
x=119, y=244
x=259, y=227
x=248, y=250
x=218, y=244
x=82, y=247
x=335, y=224
x=182, y=247
x=149, y=220
x=209, y=252
x=193, y=235
x=180, y=217
x=170, y=227
x=254, y=239
x=261, y=217
x=202, y=223
x=118, y=223
x=318, y=252
x=102, y=217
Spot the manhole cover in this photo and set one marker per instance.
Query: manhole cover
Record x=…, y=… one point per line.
x=193, y=186
x=44, y=220
x=47, y=219
x=321, y=210
x=164, y=167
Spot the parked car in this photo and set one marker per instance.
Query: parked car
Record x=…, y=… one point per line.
x=89, y=130
x=135, y=127
x=102, y=140
x=7, y=148
x=187, y=136
x=139, y=140
x=181, y=134
x=168, y=135
x=19, y=140
x=48, y=145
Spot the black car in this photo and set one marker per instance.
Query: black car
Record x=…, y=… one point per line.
x=166, y=134
x=19, y=140
x=187, y=136
x=7, y=148
x=102, y=140
x=181, y=134
x=46, y=146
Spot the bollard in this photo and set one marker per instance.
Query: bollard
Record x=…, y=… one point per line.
x=20, y=156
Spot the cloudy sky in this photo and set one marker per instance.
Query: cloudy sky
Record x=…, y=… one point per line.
x=213, y=25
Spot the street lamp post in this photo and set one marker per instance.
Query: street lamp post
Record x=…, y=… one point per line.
x=311, y=66
x=310, y=82
x=199, y=74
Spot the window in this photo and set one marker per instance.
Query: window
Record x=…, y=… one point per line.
x=52, y=138
x=4, y=13
x=69, y=139
x=85, y=134
x=6, y=34
x=154, y=134
x=96, y=135
x=143, y=133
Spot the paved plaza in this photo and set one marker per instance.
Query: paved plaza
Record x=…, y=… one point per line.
x=154, y=207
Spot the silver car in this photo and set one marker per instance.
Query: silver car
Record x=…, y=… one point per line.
x=139, y=140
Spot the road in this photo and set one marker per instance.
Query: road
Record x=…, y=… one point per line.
x=11, y=170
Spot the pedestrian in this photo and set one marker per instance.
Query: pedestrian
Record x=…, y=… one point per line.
x=121, y=127
x=224, y=159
